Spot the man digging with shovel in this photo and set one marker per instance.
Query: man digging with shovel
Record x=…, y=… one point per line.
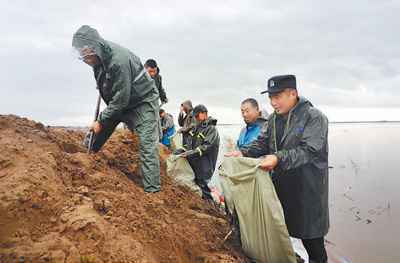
x=131, y=97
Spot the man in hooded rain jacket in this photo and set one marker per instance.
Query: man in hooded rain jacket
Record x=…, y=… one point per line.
x=131, y=97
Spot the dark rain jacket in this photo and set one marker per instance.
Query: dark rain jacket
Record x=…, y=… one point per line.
x=161, y=91
x=301, y=177
x=186, y=121
x=121, y=78
x=203, y=145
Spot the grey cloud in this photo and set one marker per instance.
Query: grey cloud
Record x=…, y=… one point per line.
x=344, y=53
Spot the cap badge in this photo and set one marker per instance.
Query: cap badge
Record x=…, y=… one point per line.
x=271, y=83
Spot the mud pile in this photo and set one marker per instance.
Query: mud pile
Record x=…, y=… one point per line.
x=59, y=204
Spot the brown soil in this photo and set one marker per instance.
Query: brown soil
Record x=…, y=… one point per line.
x=59, y=204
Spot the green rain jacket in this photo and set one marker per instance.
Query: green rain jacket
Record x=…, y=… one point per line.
x=121, y=78
x=161, y=91
x=301, y=177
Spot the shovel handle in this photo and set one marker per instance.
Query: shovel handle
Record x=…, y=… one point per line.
x=96, y=116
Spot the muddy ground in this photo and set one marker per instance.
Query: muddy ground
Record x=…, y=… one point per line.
x=59, y=204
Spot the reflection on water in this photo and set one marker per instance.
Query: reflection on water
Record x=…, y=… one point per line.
x=364, y=190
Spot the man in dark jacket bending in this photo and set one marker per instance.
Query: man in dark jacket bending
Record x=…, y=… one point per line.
x=294, y=146
x=202, y=149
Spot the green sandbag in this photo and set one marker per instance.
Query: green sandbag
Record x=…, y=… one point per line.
x=179, y=169
x=250, y=191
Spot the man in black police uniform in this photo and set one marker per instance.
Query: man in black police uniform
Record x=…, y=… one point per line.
x=295, y=149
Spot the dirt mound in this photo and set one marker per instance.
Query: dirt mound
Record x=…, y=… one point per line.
x=59, y=204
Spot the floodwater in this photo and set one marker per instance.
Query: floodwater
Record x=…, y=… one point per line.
x=364, y=193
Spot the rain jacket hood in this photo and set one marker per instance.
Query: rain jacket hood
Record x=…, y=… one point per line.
x=209, y=121
x=87, y=36
x=187, y=105
x=301, y=103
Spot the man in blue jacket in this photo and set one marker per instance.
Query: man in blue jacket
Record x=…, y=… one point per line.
x=254, y=122
x=167, y=126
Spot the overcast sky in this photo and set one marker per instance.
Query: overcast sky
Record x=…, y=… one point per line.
x=345, y=54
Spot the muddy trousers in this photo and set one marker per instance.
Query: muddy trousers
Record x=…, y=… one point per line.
x=143, y=120
x=316, y=250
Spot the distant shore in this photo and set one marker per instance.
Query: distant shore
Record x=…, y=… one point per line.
x=331, y=122
x=236, y=124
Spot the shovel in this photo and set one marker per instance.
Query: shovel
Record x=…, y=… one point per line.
x=88, y=141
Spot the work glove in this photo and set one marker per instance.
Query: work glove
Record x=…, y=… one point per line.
x=178, y=151
x=188, y=153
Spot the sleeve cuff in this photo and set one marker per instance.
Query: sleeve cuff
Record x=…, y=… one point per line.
x=101, y=120
x=279, y=155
